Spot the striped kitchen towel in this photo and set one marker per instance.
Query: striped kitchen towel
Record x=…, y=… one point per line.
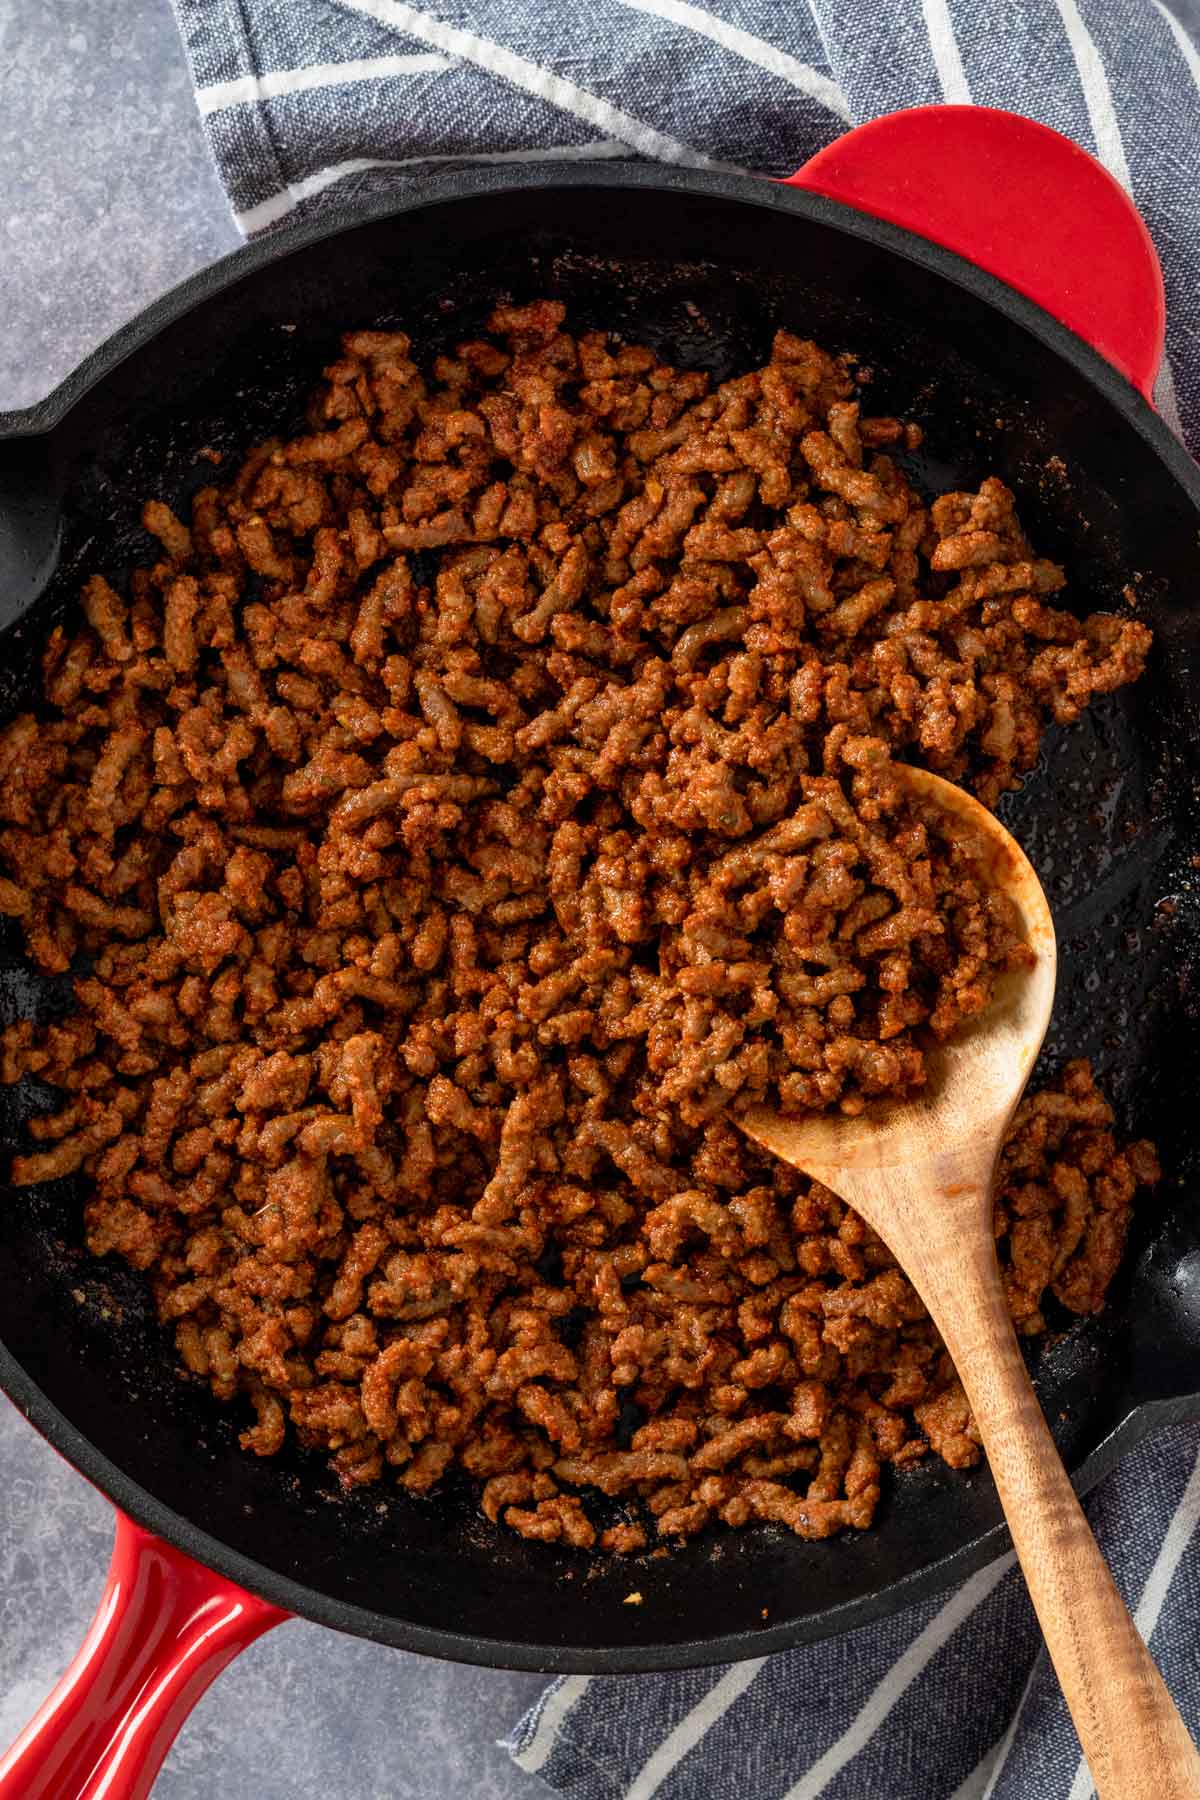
x=309, y=103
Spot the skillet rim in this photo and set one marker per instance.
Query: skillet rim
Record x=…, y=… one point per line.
x=47, y=415
x=501, y=1653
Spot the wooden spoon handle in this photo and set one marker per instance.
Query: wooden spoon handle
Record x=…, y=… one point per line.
x=1136, y=1744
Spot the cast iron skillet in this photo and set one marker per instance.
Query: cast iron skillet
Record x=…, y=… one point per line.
x=705, y=266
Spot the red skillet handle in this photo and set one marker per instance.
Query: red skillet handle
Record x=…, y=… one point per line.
x=1022, y=202
x=165, y=1628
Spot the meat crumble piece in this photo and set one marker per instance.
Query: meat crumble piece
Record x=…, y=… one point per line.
x=480, y=799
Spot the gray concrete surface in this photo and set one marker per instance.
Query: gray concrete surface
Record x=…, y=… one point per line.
x=304, y=1714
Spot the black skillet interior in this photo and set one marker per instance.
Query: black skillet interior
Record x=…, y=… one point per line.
x=706, y=268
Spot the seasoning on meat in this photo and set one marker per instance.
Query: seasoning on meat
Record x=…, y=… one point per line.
x=481, y=799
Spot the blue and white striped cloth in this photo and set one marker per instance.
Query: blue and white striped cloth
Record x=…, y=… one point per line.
x=308, y=102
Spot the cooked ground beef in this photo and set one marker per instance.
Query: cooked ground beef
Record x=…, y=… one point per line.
x=480, y=800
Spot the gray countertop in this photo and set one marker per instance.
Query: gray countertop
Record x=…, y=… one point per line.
x=107, y=197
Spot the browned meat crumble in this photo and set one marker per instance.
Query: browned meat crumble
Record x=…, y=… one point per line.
x=480, y=800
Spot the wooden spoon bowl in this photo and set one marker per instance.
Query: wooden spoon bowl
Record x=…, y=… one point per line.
x=921, y=1173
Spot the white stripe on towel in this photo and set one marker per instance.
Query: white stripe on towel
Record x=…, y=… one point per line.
x=1179, y=1535
x=1097, y=94
x=691, y=1728
x=269, y=86
x=1187, y=48
x=977, y=1782
x=900, y=1678
x=942, y=41
x=277, y=206
x=752, y=49
x=532, y=78
x=1164, y=399
x=558, y=1705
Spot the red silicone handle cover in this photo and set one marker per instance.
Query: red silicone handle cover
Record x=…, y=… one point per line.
x=1019, y=200
x=165, y=1628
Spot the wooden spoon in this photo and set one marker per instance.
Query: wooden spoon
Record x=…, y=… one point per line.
x=920, y=1172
